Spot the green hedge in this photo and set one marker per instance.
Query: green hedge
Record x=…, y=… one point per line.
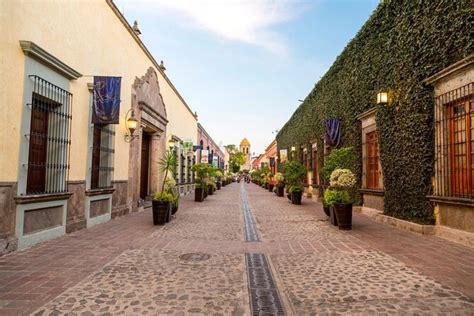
x=402, y=43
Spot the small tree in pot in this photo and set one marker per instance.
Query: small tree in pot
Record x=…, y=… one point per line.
x=295, y=173
x=161, y=204
x=280, y=184
x=218, y=174
x=339, y=196
x=202, y=176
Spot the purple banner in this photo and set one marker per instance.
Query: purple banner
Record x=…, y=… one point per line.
x=106, y=103
x=333, y=132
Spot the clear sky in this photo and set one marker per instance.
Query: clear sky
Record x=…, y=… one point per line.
x=244, y=64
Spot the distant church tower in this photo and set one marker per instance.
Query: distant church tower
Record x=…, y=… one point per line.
x=245, y=149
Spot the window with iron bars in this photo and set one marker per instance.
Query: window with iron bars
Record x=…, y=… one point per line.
x=189, y=171
x=102, y=156
x=454, y=143
x=49, y=138
x=182, y=179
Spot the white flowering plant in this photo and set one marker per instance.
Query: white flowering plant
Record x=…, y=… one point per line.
x=279, y=177
x=342, y=178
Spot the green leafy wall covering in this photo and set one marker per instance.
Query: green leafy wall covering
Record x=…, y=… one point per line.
x=402, y=43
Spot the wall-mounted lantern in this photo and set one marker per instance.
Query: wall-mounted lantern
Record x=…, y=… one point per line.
x=382, y=97
x=293, y=148
x=131, y=124
x=171, y=144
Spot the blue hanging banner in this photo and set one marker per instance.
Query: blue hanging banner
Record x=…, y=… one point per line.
x=106, y=101
x=333, y=132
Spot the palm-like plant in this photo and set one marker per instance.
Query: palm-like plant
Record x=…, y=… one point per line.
x=168, y=164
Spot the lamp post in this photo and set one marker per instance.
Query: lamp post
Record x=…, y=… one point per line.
x=131, y=124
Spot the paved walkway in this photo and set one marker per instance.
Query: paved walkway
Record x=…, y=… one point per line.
x=241, y=251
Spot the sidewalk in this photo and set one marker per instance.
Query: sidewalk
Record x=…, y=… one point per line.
x=197, y=264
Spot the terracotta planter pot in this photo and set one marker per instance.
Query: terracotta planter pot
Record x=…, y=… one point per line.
x=161, y=212
x=198, y=195
x=270, y=187
x=332, y=216
x=296, y=197
x=343, y=215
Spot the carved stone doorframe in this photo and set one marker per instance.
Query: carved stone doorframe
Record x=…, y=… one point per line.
x=150, y=111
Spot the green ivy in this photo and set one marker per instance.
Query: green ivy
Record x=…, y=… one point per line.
x=402, y=43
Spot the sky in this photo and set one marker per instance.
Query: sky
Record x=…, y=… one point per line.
x=243, y=65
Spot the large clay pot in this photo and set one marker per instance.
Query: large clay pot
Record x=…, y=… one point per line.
x=270, y=187
x=296, y=197
x=161, y=211
x=210, y=190
x=218, y=185
x=343, y=215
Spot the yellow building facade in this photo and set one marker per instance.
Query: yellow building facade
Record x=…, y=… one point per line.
x=51, y=51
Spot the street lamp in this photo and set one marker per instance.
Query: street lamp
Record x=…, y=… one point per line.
x=131, y=124
x=382, y=97
x=171, y=144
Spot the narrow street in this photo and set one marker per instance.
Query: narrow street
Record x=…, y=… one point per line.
x=243, y=251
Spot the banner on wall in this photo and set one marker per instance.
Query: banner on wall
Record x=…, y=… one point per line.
x=283, y=155
x=106, y=100
x=204, y=156
x=333, y=132
x=214, y=162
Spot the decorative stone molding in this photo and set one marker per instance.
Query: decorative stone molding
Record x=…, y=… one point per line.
x=39, y=54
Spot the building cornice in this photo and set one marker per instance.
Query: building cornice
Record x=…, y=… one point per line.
x=147, y=52
x=367, y=113
x=450, y=70
x=39, y=54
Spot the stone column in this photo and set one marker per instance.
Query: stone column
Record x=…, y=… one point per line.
x=156, y=153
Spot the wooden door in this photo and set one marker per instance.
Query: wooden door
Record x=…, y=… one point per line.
x=144, y=166
x=372, y=165
x=36, y=181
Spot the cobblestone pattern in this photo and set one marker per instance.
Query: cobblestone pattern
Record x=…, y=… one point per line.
x=217, y=218
x=366, y=282
x=140, y=282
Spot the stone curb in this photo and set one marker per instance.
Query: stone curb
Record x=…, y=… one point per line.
x=451, y=234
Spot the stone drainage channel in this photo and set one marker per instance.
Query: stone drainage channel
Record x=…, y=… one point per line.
x=264, y=296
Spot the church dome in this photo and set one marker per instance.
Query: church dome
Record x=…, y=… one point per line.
x=245, y=142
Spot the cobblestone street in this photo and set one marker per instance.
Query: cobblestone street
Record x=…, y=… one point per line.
x=205, y=262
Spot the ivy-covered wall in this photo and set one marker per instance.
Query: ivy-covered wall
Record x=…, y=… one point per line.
x=402, y=43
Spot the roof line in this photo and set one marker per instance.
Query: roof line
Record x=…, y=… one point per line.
x=147, y=52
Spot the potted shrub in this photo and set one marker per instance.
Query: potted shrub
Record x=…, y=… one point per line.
x=271, y=183
x=198, y=190
x=170, y=187
x=326, y=207
x=339, y=158
x=211, y=185
x=280, y=184
x=339, y=197
x=218, y=175
x=161, y=204
x=202, y=171
x=294, y=173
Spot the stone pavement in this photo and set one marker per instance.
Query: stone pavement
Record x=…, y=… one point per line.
x=201, y=263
